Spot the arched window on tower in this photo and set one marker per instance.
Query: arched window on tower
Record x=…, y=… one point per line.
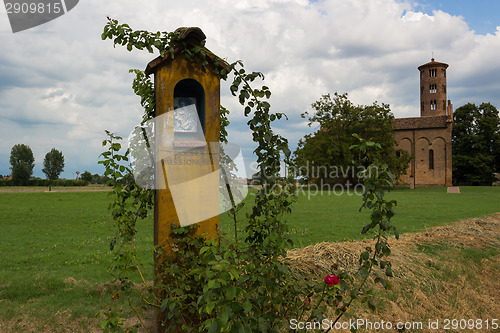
x=431, y=159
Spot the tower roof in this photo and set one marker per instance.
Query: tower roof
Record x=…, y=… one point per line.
x=433, y=63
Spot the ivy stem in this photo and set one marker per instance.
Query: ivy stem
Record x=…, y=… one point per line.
x=231, y=198
x=145, y=300
x=138, y=316
x=345, y=307
x=319, y=302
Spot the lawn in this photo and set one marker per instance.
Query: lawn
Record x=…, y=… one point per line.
x=55, y=246
x=55, y=254
x=328, y=217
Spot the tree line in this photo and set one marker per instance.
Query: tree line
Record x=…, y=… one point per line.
x=476, y=144
x=22, y=163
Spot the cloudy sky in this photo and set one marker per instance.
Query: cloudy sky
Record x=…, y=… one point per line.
x=61, y=86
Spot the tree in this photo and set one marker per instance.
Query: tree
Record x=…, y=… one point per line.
x=86, y=176
x=488, y=134
x=476, y=144
x=325, y=157
x=53, y=164
x=22, y=163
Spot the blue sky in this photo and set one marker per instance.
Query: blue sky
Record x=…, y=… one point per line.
x=61, y=86
x=482, y=15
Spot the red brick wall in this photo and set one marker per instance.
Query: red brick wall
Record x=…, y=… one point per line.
x=433, y=89
x=418, y=141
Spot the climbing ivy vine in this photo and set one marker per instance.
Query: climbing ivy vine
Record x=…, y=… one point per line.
x=216, y=285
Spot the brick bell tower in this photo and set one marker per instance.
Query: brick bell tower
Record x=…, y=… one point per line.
x=428, y=137
x=433, y=101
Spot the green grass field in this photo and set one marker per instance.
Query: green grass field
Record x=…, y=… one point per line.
x=49, y=239
x=326, y=217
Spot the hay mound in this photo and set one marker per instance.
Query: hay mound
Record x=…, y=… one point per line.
x=428, y=285
x=327, y=256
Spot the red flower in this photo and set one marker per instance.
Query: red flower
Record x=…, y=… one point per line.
x=332, y=280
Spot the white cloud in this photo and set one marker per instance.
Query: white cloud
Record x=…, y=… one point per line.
x=61, y=86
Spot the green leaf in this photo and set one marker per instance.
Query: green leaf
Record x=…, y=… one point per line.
x=213, y=328
x=247, y=306
x=371, y=305
x=210, y=306
x=213, y=284
x=225, y=316
x=230, y=292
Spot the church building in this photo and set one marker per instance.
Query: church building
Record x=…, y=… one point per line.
x=428, y=138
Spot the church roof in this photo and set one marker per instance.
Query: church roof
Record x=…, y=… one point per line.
x=421, y=122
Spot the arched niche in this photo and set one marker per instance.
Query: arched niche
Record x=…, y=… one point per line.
x=189, y=109
x=404, y=144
